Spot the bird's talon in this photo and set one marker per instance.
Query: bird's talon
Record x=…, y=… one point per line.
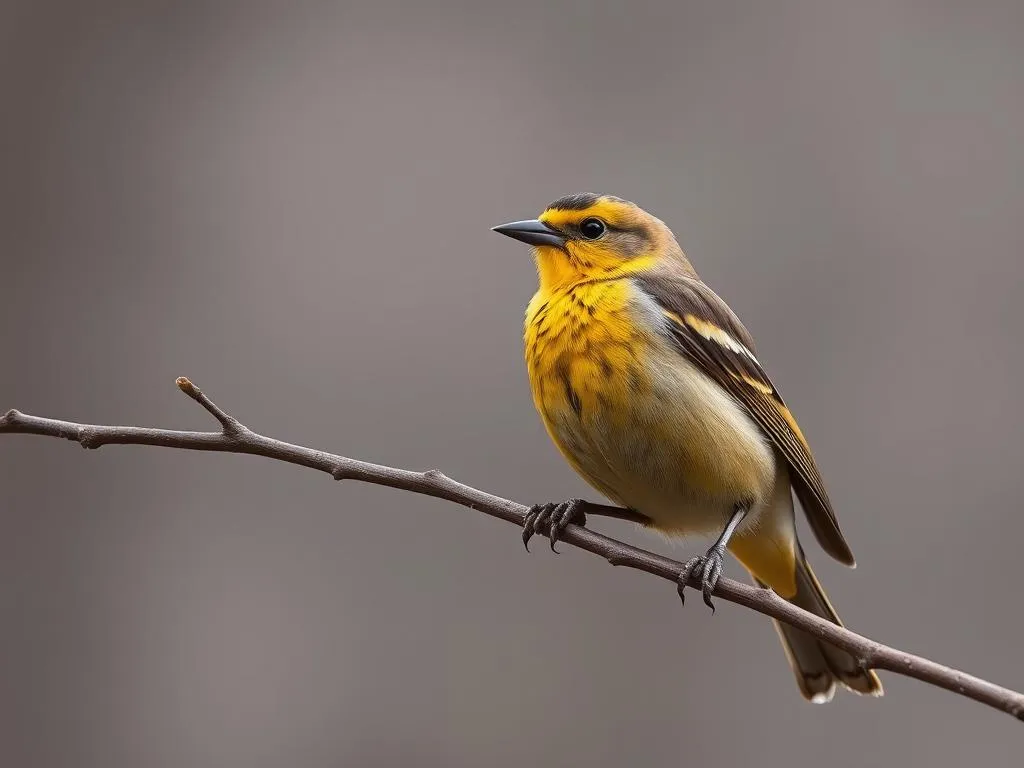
x=557, y=516
x=707, y=599
x=530, y=522
x=684, y=577
x=708, y=569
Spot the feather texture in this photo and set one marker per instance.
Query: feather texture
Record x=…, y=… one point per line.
x=710, y=335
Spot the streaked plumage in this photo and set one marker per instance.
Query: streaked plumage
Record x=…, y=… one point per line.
x=650, y=387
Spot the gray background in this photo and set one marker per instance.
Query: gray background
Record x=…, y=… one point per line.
x=291, y=205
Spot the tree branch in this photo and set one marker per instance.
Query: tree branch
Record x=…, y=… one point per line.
x=235, y=437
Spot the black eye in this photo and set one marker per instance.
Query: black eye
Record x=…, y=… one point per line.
x=592, y=228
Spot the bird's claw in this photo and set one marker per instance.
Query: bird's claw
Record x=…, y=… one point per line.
x=707, y=569
x=557, y=516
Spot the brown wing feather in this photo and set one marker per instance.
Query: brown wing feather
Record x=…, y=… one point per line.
x=707, y=331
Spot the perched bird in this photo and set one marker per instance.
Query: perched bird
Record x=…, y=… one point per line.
x=649, y=386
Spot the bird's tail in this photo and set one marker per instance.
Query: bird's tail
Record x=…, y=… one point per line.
x=817, y=665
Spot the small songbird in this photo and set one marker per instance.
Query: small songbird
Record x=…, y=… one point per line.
x=649, y=386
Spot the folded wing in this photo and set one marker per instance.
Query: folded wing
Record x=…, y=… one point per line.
x=709, y=334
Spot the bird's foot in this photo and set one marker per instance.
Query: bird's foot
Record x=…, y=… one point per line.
x=558, y=516
x=707, y=568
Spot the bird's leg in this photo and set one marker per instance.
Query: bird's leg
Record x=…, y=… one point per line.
x=709, y=566
x=560, y=515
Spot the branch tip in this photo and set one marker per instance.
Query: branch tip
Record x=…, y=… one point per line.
x=187, y=387
x=230, y=424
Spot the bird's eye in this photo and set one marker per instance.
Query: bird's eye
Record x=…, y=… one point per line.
x=592, y=228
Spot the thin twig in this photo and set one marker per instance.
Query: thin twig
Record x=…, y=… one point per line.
x=235, y=437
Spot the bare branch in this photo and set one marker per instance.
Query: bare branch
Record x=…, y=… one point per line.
x=229, y=424
x=235, y=437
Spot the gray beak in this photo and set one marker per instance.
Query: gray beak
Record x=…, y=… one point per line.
x=532, y=232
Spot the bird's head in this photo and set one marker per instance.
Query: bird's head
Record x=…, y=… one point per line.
x=596, y=237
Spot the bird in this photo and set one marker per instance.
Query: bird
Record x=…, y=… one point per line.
x=650, y=387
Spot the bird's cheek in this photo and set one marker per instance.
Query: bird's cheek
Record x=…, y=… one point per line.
x=586, y=255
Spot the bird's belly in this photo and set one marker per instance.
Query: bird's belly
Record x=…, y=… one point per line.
x=661, y=437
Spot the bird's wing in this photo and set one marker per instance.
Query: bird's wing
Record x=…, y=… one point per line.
x=708, y=333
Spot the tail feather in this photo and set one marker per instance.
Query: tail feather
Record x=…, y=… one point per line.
x=818, y=666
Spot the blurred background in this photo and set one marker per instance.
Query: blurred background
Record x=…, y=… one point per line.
x=290, y=203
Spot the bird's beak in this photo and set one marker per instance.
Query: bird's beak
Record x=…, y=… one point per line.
x=532, y=232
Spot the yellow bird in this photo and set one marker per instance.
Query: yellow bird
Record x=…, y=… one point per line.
x=649, y=386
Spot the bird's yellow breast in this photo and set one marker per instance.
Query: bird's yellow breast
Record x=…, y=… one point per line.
x=633, y=416
x=583, y=352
